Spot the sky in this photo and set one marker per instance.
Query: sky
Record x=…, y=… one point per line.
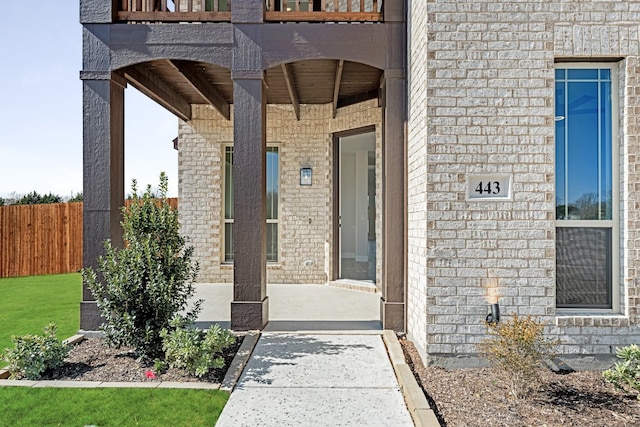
x=41, y=108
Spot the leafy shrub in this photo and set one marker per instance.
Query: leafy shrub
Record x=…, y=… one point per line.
x=517, y=350
x=193, y=349
x=148, y=282
x=34, y=354
x=625, y=375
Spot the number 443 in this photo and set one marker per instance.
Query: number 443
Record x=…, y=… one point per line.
x=491, y=187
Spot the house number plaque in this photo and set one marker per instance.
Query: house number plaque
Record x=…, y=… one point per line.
x=489, y=187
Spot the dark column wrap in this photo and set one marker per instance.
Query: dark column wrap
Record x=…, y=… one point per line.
x=249, y=309
x=103, y=175
x=393, y=305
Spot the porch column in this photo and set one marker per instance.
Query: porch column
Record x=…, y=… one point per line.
x=103, y=175
x=250, y=308
x=393, y=304
x=394, y=273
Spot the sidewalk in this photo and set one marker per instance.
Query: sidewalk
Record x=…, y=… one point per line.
x=314, y=379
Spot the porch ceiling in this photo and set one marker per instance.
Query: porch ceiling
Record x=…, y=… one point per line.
x=179, y=84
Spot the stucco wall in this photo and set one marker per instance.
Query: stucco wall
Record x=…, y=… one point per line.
x=306, y=213
x=482, y=102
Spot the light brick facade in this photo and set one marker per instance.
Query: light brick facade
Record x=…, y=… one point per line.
x=481, y=89
x=306, y=213
x=481, y=96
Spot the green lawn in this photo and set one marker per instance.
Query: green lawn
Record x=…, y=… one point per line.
x=28, y=304
x=110, y=407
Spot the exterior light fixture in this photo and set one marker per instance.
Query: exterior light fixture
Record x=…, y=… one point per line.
x=306, y=176
x=494, y=316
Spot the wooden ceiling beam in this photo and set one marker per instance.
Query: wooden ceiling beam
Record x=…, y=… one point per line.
x=359, y=97
x=204, y=87
x=287, y=70
x=155, y=88
x=336, y=86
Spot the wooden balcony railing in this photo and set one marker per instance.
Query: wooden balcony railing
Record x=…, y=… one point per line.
x=175, y=10
x=275, y=10
x=324, y=10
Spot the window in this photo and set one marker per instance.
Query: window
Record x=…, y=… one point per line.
x=273, y=197
x=586, y=186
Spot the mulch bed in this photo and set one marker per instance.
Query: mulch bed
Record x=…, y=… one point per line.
x=93, y=360
x=474, y=398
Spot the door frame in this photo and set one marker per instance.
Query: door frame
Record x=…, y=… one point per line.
x=335, y=274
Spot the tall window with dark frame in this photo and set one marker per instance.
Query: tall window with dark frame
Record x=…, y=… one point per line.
x=585, y=185
x=273, y=197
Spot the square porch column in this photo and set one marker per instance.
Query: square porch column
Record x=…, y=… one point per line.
x=250, y=306
x=249, y=309
x=103, y=175
x=393, y=304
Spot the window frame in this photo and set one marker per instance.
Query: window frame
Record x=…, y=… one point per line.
x=614, y=222
x=225, y=220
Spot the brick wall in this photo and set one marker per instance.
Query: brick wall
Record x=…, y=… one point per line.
x=482, y=102
x=417, y=177
x=306, y=213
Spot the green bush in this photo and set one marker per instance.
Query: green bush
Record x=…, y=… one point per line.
x=625, y=375
x=193, y=349
x=34, y=354
x=35, y=198
x=517, y=350
x=144, y=285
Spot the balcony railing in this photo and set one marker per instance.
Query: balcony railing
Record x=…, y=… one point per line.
x=275, y=10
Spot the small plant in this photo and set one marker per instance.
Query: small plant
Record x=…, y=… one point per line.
x=34, y=354
x=193, y=349
x=517, y=350
x=148, y=282
x=625, y=375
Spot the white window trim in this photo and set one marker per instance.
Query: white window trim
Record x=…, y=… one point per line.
x=614, y=223
x=225, y=221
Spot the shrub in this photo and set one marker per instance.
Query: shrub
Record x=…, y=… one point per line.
x=34, y=354
x=517, y=350
x=35, y=198
x=625, y=375
x=148, y=282
x=195, y=350
x=77, y=198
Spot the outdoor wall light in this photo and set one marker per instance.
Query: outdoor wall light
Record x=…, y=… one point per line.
x=494, y=316
x=306, y=176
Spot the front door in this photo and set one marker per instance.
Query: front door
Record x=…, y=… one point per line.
x=356, y=188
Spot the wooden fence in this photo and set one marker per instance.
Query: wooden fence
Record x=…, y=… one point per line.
x=42, y=239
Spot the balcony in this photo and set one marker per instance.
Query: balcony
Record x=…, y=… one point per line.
x=274, y=11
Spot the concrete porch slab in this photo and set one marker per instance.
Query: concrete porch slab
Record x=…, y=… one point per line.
x=298, y=307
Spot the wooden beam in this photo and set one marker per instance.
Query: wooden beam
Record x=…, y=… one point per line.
x=358, y=98
x=204, y=87
x=291, y=87
x=336, y=87
x=155, y=88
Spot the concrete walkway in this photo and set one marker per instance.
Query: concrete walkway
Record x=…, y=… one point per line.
x=313, y=379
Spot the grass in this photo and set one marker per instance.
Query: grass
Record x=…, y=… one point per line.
x=28, y=305
x=24, y=406
x=31, y=303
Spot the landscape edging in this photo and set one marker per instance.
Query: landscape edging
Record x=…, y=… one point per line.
x=417, y=404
